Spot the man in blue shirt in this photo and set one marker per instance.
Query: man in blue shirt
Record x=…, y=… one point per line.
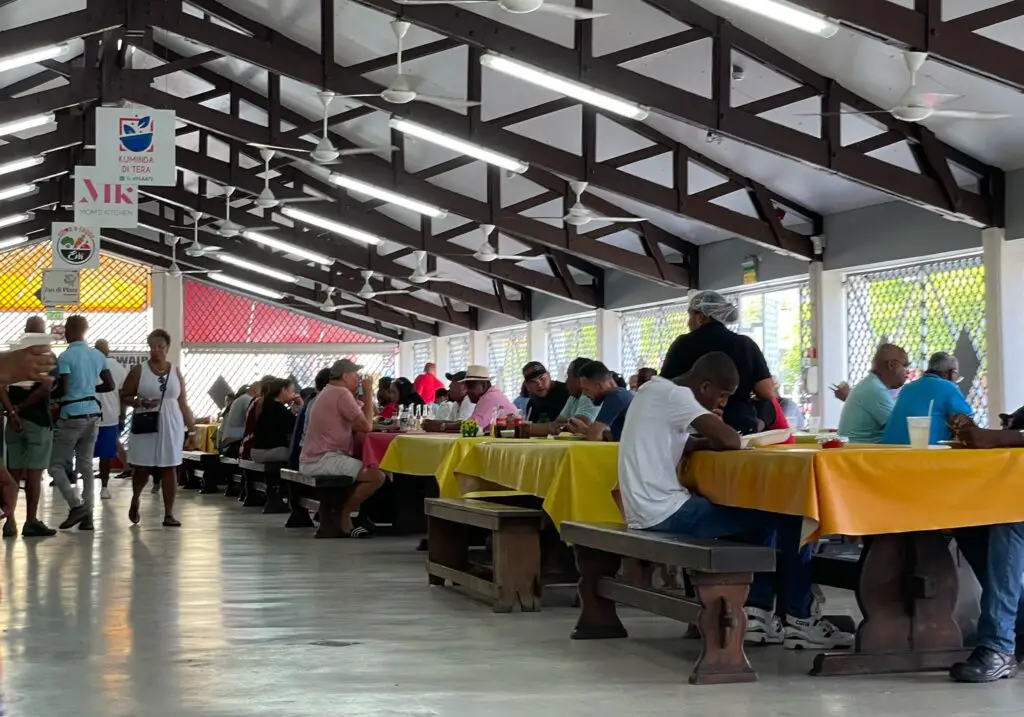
x=598, y=384
x=866, y=412
x=936, y=389
x=83, y=373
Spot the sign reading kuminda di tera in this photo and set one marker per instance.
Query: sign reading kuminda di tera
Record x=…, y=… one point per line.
x=74, y=246
x=135, y=146
x=104, y=204
x=61, y=287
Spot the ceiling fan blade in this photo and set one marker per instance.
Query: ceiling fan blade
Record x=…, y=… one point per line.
x=294, y=200
x=346, y=307
x=561, y=218
x=833, y=114
x=619, y=220
x=934, y=99
x=512, y=257
x=282, y=149
x=451, y=102
x=573, y=12
x=364, y=150
x=971, y=115
x=355, y=97
x=390, y=292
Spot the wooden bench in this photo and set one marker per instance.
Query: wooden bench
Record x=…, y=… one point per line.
x=317, y=494
x=202, y=470
x=232, y=476
x=263, y=486
x=514, y=577
x=721, y=572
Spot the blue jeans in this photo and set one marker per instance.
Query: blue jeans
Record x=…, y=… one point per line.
x=996, y=554
x=700, y=518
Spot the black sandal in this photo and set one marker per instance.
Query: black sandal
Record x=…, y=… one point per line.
x=358, y=533
x=171, y=522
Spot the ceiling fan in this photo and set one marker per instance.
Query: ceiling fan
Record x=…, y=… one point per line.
x=325, y=152
x=518, y=7
x=196, y=248
x=580, y=216
x=366, y=293
x=266, y=198
x=488, y=253
x=173, y=270
x=420, y=275
x=402, y=89
x=916, y=106
x=228, y=228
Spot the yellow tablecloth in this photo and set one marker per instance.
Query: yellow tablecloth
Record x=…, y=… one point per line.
x=574, y=478
x=860, y=490
x=206, y=437
x=428, y=454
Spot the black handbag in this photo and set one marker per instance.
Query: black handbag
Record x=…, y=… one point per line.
x=149, y=421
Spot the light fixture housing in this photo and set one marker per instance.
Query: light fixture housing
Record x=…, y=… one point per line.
x=332, y=226
x=19, y=164
x=457, y=145
x=387, y=195
x=563, y=86
x=20, y=125
x=12, y=219
x=16, y=191
x=30, y=57
x=254, y=267
x=288, y=247
x=790, y=14
x=247, y=286
x=12, y=242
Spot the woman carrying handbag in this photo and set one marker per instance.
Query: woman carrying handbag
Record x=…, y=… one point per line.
x=156, y=391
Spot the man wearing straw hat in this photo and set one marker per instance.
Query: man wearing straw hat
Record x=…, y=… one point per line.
x=489, y=401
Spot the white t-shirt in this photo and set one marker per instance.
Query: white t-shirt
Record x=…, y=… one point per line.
x=110, y=402
x=656, y=429
x=449, y=411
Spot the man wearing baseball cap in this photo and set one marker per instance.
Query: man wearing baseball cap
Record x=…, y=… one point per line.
x=328, y=445
x=547, y=397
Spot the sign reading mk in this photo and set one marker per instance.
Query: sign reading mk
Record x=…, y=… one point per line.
x=102, y=204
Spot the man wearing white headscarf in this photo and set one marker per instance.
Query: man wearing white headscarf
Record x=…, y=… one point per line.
x=709, y=314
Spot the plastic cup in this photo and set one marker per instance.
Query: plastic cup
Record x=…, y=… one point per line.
x=26, y=340
x=813, y=424
x=920, y=429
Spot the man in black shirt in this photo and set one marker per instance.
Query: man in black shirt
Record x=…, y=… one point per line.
x=547, y=397
x=709, y=314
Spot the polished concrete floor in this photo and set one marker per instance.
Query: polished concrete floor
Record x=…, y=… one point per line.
x=234, y=615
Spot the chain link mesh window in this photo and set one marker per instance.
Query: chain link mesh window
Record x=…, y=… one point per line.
x=203, y=368
x=937, y=306
x=507, y=353
x=569, y=339
x=647, y=334
x=458, y=353
x=421, y=356
x=115, y=298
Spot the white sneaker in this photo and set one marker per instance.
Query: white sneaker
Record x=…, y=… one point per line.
x=105, y=493
x=763, y=627
x=814, y=633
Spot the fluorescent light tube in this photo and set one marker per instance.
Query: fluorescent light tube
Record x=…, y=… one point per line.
x=30, y=57
x=20, y=164
x=565, y=87
x=16, y=191
x=12, y=241
x=253, y=266
x=284, y=246
x=246, y=286
x=20, y=125
x=470, y=150
x=12, y=219
x=331, y=226
x=376, y=192
x=789, y=14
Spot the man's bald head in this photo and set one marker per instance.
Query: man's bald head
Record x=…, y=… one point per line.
x=890, y=364
x=103, y=346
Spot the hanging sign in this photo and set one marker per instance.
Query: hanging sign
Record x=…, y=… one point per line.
x=749, y=270
x=74, y=246
x=104, y=204
x=129, y=359
x=61, y=287
x=135, y=146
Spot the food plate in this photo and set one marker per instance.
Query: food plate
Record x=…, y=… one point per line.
x=766, y=438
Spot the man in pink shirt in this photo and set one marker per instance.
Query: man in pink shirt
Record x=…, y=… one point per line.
x=328, y=444
x=486, y=397
x=427, y=383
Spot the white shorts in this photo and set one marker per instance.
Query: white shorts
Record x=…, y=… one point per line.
x=334, y=463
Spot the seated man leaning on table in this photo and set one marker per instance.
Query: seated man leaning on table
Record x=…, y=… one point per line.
x=487, y=399
x=577, y=405
x=935, y=390
x=866, y=410
x=458, y=407
x=598, y=383
x=328, y=446
x=656, y=435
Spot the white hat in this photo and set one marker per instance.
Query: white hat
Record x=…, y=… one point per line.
x=477, y=373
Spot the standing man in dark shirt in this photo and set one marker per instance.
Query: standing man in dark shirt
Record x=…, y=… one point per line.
x=709, y=314
x=547, y=397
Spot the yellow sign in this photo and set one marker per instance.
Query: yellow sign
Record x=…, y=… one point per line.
x=749, y=270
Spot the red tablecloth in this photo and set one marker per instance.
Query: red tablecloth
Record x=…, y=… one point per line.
x=374, y=446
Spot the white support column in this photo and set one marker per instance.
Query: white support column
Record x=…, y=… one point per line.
x=830, y=332
x=405, y=361
x=169, y=311
x=609, y=338
x=537, y=342
x=1004, y=321
x=439, y=349
x=478, y=348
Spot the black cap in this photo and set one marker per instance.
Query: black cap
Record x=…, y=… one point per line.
x=457, y=376
x=534, y=369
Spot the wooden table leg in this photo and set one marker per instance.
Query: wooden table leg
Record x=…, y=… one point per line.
x=722, y=624
x=517, y=568
x=907, y=593
x=275, y=496
x=598, y=618
x=299, y=517
x=233, y=482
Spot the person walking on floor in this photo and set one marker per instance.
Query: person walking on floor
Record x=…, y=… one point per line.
x=82, y=374
x=156, y=390
x=108, y=439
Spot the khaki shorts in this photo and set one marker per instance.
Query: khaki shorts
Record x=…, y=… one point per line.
x=30, y=449
x=335, y=463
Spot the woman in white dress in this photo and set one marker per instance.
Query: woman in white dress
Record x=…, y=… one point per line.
x=156, y=390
